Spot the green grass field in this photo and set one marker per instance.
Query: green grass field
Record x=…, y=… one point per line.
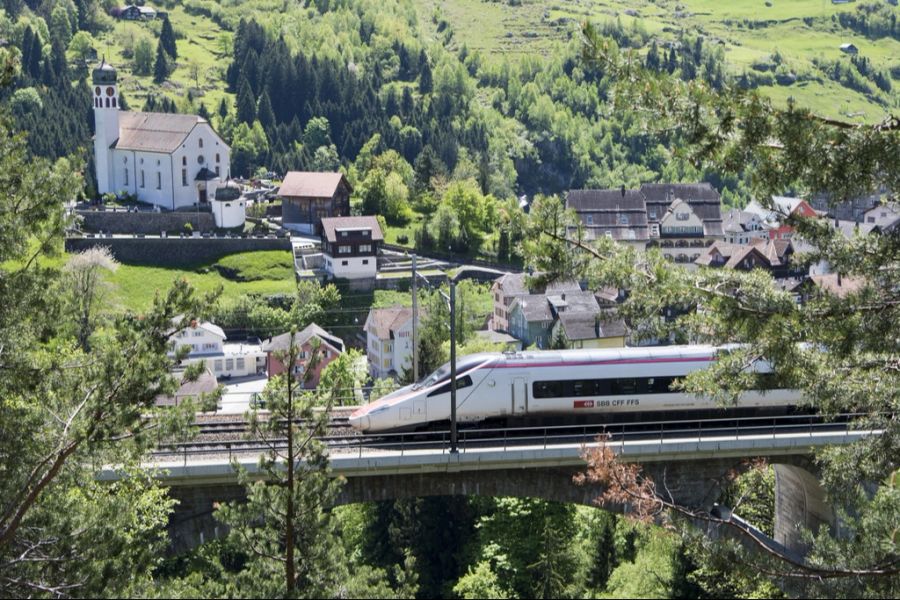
x=200, y=66
x=748, y=30
x=266, y=272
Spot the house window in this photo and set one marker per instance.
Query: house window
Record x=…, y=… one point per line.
x=365, y=247
x=240, y=364
x=365, y=262
x=623, y=219
x=343, y=249
x=217, y=365
x=590, y=219
x=158, y=180
x=682, y=216
x=208, y=346
x=343, y=234
x=198, y=333
x=184, y=177
x=229, y=364
x=343, y=263
x=142, y=178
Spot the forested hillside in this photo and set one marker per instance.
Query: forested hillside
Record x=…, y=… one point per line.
x=431, y=83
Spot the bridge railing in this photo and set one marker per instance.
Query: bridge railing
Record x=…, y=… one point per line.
x=544, y=437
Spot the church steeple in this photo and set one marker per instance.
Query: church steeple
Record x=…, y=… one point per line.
x=106, y=122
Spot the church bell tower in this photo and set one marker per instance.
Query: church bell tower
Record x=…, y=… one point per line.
x=105, y=96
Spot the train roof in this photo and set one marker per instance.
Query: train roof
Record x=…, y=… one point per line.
x=564, y=356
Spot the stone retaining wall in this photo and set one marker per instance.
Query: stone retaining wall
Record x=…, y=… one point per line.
x=147, y=223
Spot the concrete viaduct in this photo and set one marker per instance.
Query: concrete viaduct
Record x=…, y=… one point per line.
x=691, y=469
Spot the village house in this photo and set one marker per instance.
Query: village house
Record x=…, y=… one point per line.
x=389, y=342
x=583, y=330
x=205, y=383
x=330, y=347
x=132, y=12
x=206, y=342
x=307, y=198
x=886, y=215
x=172, y=161
x=510, y=286
x=783, y=206
x=532, y=317
x=679, y=219
x=741, y=227
x=350, y=246
x=770, y=255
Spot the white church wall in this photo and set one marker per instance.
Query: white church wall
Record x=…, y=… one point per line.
x=187, y=157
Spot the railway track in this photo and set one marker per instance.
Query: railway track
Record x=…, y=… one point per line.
x=526, y=436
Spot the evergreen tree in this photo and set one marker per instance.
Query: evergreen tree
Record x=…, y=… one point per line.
x=161, y=66
x=203, y=112
x=223, y=108
x=246, y=103
x=293, y=546
x=266, y=116
x=167, y=38
x=426, y=83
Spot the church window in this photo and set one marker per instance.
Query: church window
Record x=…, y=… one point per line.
x=184, y=177
x=107, y=103
x=158, y=180
x=217, y=157
x=142, y=161
x=110, y=91
x=126, y=176
x=201, y=142
x=184, y=161
x=125, y=159
x=113, y=102
x=142, y=178
x=97, y=90
x=217, y=170
x=200, y=159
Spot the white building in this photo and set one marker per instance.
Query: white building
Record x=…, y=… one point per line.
x=350, y=246
x=742, y=227
x=169, y=160
x=206, y=342
x=389, y=340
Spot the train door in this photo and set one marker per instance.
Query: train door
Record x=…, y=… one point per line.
x=519, y=396
x=419, y=410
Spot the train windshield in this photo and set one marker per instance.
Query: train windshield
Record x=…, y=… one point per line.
x=463, y=365
x=433, y=379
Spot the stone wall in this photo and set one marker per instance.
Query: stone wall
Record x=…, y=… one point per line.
x=176, y=252
x=145, y=222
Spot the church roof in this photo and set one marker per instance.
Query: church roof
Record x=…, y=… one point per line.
x=154, y=132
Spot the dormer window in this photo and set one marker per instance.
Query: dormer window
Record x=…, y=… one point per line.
x=682, y=216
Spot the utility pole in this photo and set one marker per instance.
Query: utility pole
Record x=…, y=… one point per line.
x=415, y=319
x=453, y=433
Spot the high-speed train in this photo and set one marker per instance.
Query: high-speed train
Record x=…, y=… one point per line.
x=596, y=384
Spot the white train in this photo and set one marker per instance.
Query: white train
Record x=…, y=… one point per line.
x=596, y=384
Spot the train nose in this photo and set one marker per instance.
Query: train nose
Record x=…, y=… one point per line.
x=359, y=422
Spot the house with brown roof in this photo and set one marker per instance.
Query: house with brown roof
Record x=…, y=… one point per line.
x=172, y=161
x=389, y=342
x=350, y=246
x=770, y=255
x=329, y=347
x=308, y=197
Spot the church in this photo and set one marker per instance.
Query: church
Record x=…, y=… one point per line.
x=170, y=160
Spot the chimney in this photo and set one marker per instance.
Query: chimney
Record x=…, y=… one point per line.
x=623, y=190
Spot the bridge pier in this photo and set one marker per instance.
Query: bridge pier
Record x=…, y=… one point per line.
x=799, y=504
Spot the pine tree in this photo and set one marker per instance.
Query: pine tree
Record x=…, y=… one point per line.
x=266, y=116
x=223, y=108
x=167, y=38
x=161, y=66
x=246, y=103
x=426, y=84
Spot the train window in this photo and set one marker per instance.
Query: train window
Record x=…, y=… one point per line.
x=462, y=382
x=575, y=388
